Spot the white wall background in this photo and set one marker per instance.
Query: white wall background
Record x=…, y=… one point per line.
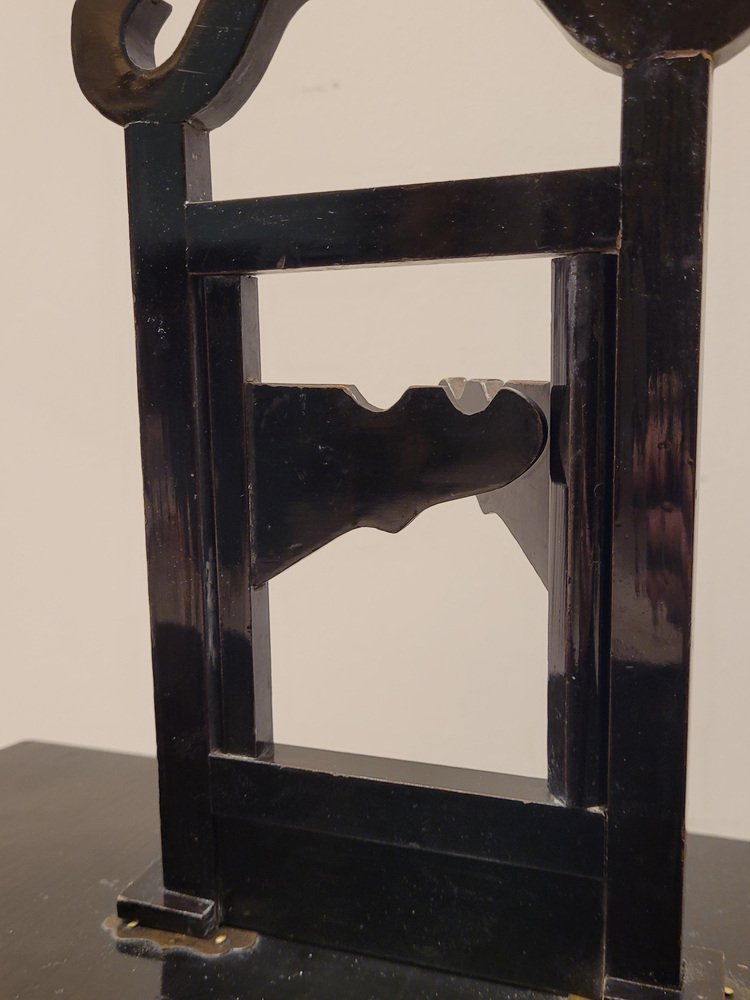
x=429, y=644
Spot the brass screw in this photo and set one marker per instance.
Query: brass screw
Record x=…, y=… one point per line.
x=220, y=939
x=131, y=925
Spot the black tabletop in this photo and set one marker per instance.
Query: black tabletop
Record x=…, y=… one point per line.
x=77, y=825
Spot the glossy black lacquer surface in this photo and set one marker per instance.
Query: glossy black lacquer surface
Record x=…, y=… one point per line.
x=241, y=478
x=170, y=911
x=476, y=814
x=463, y=915
x=459, y=870
x=559, y=212
x=215, y=68
x=76, y=825
x=244, y=716
x=583, y=342
x=665, y=126
x=166, y=166
x=524, y=504
x=324, y=461
x=626, y=31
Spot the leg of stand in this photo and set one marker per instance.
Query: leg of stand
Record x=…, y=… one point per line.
x=167, y=166
x=704, y=978
x=665, y=124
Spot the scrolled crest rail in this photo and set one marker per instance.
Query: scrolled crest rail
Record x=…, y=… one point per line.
x=219, y=62
x=229, y=45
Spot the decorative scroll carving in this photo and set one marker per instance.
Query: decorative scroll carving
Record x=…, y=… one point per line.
x=217, y=65
x=228, y=46
x=625, y=31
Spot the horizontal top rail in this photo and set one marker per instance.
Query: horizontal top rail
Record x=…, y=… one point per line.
x=570, y=211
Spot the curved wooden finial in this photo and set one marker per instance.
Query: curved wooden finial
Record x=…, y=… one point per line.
x=217, y=65
x=625, y=31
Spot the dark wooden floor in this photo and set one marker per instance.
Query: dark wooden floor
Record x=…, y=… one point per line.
x=77, y=825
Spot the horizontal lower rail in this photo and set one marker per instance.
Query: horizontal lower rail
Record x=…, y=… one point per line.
x=449, y=811
x=539, y=929
x=531, y=214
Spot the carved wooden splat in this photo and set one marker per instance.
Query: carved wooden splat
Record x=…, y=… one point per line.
x=324, y=461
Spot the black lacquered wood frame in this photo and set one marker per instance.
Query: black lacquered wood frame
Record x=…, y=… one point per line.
x=572, y=885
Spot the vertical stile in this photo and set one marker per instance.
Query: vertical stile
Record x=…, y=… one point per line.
x=245, y=712
x=167, y=165
x=665, y=125
x=584, y=298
